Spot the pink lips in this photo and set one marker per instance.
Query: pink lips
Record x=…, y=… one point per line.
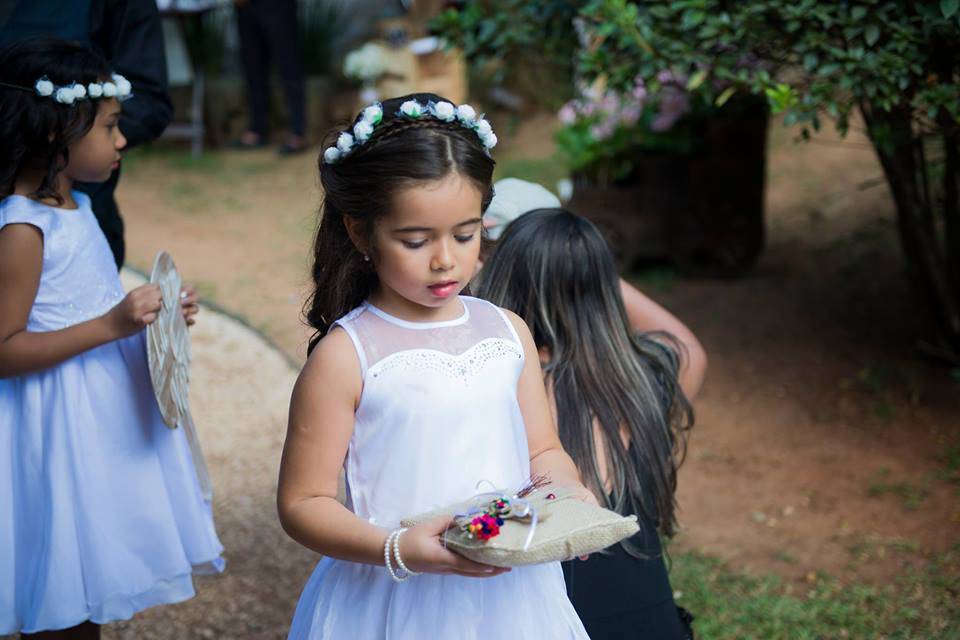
x=443, y=289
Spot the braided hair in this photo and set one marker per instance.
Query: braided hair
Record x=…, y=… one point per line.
x=400, y=153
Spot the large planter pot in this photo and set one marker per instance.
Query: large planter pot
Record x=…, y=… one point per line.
x=702, y=210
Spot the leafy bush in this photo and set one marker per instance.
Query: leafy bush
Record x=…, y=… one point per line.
x=897, y=62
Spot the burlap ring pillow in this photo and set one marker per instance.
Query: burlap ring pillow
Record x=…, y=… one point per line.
x=567, y=527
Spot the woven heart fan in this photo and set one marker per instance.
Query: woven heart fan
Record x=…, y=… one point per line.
x=168, y=355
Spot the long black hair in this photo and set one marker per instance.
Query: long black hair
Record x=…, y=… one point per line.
x=400, y=153
x=36, y=132
x=555, y=270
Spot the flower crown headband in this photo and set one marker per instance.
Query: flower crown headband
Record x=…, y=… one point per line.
x=117, y=87
x=411, y=110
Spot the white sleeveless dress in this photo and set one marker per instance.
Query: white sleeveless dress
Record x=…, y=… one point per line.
x=101, y=514
x=438, y=414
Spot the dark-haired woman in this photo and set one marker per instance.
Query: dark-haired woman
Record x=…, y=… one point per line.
x=621, y=401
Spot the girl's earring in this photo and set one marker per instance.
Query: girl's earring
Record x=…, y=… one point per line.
x=366, y=258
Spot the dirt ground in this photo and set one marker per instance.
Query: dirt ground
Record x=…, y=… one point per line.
x=823, y=441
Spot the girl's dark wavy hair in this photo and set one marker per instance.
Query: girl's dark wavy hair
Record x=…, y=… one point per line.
x=555, y=270
x=401, y=153
x=36, y=132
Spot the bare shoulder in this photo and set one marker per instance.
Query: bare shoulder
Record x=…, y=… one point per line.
x=21, y=261
x=333, y=366
x=518, y=323
x=523, y=332
x=20, y=241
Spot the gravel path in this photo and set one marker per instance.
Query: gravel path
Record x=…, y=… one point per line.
x=240, y=390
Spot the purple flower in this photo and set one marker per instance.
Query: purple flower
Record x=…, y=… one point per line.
x=609, y=103
x=603, y=130
x=674, y=104
x=630, y=114
x=567, y=113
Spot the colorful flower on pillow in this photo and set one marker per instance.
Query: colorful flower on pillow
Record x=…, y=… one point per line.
x=485, y=527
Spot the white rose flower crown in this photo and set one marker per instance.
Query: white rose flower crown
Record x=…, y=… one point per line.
x=117, y=87
x=444, y=111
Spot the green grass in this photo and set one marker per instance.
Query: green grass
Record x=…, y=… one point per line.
x=911, y=495
x=544, y=171
x=920, y=604
x=212, y=165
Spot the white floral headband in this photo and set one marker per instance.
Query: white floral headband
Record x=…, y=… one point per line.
x=411, y=109
x=117, y=87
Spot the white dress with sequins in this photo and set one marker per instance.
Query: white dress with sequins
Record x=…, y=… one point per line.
x=101, y=514
x=438, y=414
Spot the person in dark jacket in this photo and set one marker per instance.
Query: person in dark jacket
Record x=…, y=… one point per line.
x=130, y=36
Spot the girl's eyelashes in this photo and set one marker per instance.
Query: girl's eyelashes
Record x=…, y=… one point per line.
x=462, y=238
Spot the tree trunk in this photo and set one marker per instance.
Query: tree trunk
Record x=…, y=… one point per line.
x=928, y=229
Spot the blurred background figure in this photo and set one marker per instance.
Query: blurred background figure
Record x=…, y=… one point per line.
x=268, y=31
x=130, y=37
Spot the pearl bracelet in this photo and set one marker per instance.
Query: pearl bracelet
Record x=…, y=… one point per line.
x=396, y=555
x=388, y=552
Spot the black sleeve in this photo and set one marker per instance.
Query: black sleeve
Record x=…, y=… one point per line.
x=131, y=36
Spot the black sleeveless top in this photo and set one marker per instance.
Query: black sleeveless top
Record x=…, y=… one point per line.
x=620, y=597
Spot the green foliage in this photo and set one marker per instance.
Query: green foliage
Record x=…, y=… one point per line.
x=897, y=61
x=734, y=606
x=604, y=130
x=501, y=36
x=807, y=57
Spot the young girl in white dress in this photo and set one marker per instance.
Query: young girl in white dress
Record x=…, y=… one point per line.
x=419, y=393
x=102, y=515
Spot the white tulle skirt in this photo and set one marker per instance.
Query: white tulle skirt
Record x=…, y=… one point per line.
x=101, y=513
x=347, y=600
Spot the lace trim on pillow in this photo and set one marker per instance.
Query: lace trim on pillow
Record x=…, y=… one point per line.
x=461, y=367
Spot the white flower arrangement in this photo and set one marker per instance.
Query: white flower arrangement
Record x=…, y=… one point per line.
x=411, y=109
x=466, y=113
x=331, y=155
x=444, y=111
x=370, y=117
x=64, y=95
x=44, y=87
x=490, y=140
x=483, y=127
x=373, y=114
x=124, y=88
x=365, y=64
x=362, y=131
x=119, y=88
x=345, y=142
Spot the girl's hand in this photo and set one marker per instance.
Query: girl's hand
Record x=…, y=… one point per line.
x=422, y=550
x=138, y=309
x=189, y=303
x=587, y=496
x=582, y=493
